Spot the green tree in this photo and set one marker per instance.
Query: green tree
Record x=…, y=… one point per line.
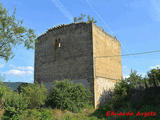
x=3, y=91
x=13, y=33
x=154, y=77
x=68, y=96
x=91, y=19
x=36, y=94
x=14, y=105
x=121, y=94
x=81, y=18
x=135, y=80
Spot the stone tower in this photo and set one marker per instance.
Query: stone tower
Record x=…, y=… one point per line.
x=81, y=52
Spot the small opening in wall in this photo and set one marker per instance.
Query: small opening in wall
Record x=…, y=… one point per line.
x=59, y=43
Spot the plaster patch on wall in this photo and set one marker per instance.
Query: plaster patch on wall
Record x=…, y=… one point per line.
x=103, y=90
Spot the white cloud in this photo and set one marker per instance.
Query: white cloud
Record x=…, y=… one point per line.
x=138, y=73
x=155, y=9
x=30, y=68
x=18, y=72
x=156, y=66
x=25, y=68
x=126, y=76
x=62, y=8
x=142, y=74
x=1, y=65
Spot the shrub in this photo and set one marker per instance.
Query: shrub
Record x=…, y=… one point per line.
x=101, y=111
x=135, y=80
x=154, y=77
x=3, y=90
x=35, y=93
x=69, y=96
x=20, y=87
x=31, y=114
x=14, y=105
x=122, y=93
x=36, y=114
x=149, y=96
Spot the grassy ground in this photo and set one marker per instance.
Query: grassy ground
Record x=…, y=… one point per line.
x=66, y=115
x=90, y=114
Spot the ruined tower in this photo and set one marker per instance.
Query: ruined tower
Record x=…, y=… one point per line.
x=81, y=52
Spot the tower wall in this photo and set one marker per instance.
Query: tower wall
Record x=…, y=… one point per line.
x=78, y=52
x=72, y=60
x=107, y=70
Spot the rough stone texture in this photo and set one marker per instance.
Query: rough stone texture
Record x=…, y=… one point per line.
x=107, y=69
x=77, y=58
x=73, y=60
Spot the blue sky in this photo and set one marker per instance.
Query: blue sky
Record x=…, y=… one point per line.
x=136, y=24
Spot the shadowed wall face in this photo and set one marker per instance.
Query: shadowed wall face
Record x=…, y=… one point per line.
x=65, y=53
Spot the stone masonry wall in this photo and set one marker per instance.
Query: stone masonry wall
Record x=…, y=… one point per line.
x=73, y=60
x=107, y=70
x=76, y=52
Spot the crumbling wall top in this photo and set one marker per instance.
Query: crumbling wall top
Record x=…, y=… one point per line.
x=61, y=26
x=103, y=31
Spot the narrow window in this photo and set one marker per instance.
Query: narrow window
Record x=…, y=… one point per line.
x=59, y=43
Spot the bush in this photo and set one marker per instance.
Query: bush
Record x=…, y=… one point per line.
x=36, y=114
x=69, y=96
x=154, y=77
x=101, y=111
x=122, y=93
x=20, y=87
x=14, y=105
x=135, y=80
x=129, y=97
x=149, y=96
x=31, y=114
x=3, y=90
x=35, y=93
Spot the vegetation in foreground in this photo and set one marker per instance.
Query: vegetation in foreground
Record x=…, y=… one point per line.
x=68, y=101
x=13, y=33
x=33, y=102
